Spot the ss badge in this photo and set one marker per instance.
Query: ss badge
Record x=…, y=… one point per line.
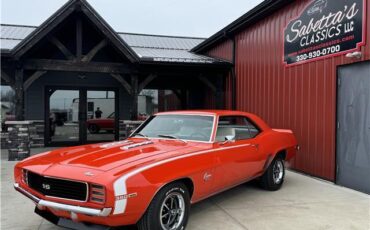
x=46, y=186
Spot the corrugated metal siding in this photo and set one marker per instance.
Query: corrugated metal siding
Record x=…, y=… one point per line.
x=222, y=51
x=301, y=98
x=228, y=92
x=168, y=102
x=209, y=99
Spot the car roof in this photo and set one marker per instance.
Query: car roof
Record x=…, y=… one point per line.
x=204, y=112
x=257, y=120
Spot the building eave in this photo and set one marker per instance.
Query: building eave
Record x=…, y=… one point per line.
x=259, y=12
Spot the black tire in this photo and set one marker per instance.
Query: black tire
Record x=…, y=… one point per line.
x=94, y=129
x=152, y=219
x=269, y=180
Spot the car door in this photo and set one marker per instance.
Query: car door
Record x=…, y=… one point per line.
x=238, y=157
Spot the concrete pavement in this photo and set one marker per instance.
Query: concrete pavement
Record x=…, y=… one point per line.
x=303, y=203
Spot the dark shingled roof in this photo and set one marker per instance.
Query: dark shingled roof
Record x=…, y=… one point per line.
x=157, y=48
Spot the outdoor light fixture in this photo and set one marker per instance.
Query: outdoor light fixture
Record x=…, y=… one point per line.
x=356, y=54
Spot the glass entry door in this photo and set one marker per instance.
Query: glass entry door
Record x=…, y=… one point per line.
x=79, y=116
x=101, y=119
x=62, y=118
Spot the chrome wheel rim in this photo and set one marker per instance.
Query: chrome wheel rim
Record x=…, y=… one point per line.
x=172, y=211
x=278, y=172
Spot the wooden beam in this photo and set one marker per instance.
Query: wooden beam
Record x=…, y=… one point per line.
x=146, y=81
x=112, y=36
x=94, y=51
x=123, y=82
x=7, y=79
x=44, y=29
x=208, y=83
x=68, y=54
x=79, y=38
x=75, y=66
x=33, y=78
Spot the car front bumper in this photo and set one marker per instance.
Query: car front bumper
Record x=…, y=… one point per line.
x=64, y=207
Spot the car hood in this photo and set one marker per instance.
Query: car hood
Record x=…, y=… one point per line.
x=105, y=157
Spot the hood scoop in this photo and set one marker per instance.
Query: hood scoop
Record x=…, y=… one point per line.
x=115, y=144
x=127, y=147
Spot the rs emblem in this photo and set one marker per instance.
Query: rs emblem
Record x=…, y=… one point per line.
x=46, y=186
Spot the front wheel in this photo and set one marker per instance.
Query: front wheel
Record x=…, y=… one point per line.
x=169, y=210
x=273, y=178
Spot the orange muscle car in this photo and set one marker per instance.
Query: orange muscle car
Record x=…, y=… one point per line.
x=171, y=161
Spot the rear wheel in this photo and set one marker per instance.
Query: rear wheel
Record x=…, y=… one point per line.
x=273, y=178
x=169, y=210
x=94, y=129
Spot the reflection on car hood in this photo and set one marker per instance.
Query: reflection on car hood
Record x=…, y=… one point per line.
x=104, y=157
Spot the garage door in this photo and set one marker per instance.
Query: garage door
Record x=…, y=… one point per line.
x=353, y=134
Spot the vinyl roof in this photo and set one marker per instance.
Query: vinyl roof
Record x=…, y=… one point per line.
x=157, y=48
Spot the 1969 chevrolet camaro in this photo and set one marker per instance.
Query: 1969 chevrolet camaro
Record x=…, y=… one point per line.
x=172, y=160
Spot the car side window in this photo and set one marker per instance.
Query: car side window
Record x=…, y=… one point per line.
x=235, y=128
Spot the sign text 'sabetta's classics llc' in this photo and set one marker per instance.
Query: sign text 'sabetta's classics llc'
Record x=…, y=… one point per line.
x=324, y=28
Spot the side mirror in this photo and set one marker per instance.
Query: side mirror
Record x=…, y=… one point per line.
x=228, y=139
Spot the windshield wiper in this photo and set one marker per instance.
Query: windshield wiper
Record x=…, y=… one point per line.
x=171, y=137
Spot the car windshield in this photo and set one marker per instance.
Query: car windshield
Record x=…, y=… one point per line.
x=184, y=127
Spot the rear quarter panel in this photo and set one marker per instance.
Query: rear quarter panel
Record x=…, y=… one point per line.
x=273, y=142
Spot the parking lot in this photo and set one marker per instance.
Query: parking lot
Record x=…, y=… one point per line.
x=302, y=203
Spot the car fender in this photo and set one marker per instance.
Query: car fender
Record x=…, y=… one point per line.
x=142, y=184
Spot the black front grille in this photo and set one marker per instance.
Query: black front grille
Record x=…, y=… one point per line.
x=57, y=187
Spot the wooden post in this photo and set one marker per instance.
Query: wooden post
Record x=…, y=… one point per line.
x=135, y=94
x=182, y=95
x=19, y=94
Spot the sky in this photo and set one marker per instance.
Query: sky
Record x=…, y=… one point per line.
x=197, y=18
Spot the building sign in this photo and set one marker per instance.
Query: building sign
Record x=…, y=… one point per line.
x=325, y=28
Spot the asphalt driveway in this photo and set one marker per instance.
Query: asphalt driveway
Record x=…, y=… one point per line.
x=303, y=203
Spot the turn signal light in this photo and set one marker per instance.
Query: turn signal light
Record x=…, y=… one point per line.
x=97, y=194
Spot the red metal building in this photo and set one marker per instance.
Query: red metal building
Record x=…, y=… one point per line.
x=301, y=96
